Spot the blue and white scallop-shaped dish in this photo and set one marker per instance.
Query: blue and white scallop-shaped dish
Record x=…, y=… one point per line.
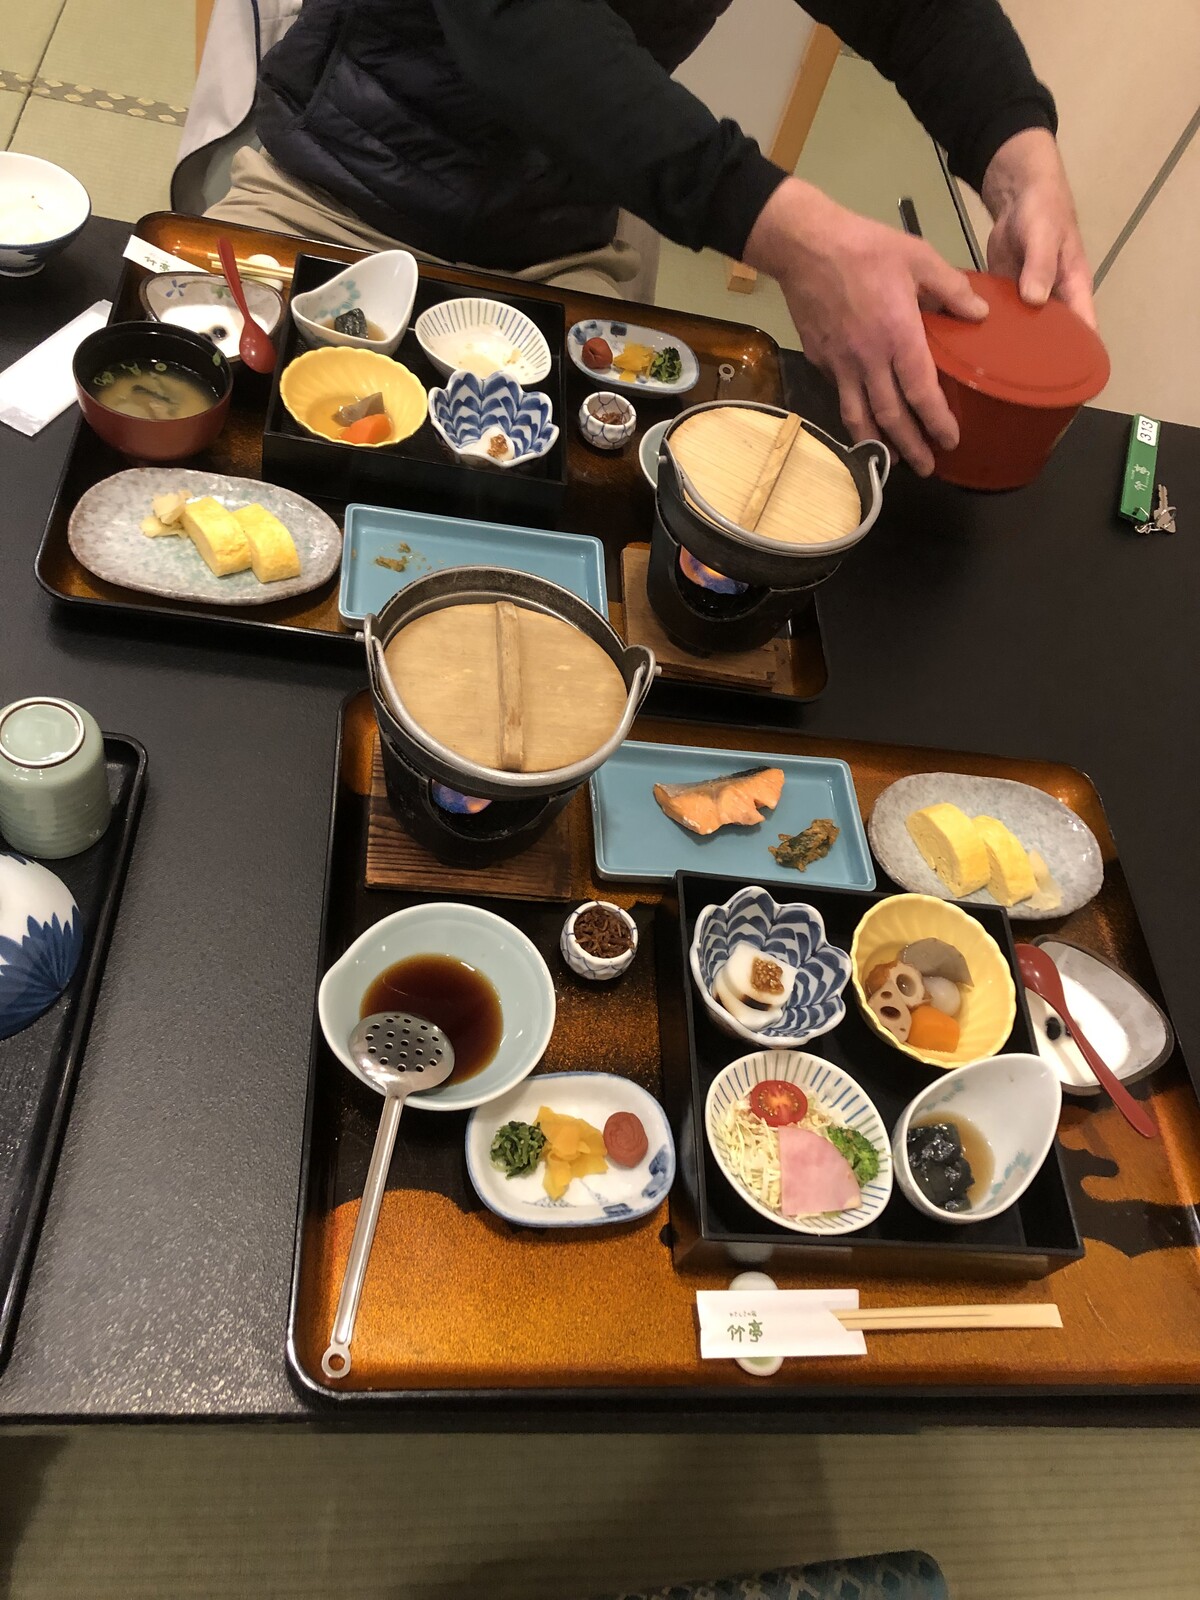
x=793, y=933
x=835, y=1092
x=41, y=940
x=622, y=1194
x=469, y=412
x=617, y=335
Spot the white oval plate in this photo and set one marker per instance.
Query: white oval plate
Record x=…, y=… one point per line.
x=835, y=1092
x=618, y=335
x=106, y=537
x=622, y=1194
x=1066, y=843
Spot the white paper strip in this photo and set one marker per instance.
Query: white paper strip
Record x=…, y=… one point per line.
x=780, y=1322
x=40, y=386
x=156, y=260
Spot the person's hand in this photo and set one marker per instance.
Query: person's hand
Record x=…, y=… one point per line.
x=855, y=290
x=1035, y=237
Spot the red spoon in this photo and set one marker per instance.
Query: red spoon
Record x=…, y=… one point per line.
x=254, y=347
x=1039, y=974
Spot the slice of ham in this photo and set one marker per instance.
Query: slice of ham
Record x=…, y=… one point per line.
x=816, y=1176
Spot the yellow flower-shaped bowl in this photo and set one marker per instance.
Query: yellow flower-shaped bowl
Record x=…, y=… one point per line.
x=319, y=382
x=989, y=1005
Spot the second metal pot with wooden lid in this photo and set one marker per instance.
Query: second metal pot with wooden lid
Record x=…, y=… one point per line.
x=764, y=496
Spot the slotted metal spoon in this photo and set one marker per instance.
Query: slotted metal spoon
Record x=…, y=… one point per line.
x=400, y=1054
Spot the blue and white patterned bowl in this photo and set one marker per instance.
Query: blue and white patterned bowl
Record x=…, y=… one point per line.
x=41, y=940
x=794, y=933
x=42, y=208
x=833, y=1091
x=470, y=412
x=599, y=968
x=1014, y=1102
x=622, y=1194
x=466, y=333
x=607, y=435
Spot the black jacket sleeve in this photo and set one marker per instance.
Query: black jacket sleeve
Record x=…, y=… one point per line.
x=958, y=63
x=571, y=75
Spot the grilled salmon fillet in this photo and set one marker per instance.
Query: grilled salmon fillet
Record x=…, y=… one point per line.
x=732, y=799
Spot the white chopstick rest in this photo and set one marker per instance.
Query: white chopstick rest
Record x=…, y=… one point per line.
x=41, y=385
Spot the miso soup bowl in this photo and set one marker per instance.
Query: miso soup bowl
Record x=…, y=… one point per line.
x=146, y=438
x=503, y=954
x=1013, y=1101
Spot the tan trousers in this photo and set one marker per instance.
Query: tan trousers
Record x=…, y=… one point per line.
x=263, y=195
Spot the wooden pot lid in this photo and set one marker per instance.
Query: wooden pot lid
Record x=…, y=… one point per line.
x=506, y=687
x=766, y=474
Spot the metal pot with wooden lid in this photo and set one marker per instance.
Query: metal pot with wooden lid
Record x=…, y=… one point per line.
x=763, y=495
x=502, y=690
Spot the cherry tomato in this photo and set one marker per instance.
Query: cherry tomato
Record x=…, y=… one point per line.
x=368, y=430
x=777, y=1102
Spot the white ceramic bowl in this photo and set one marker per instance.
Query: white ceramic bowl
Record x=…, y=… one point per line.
x=599, y=968
x=383, y=287
x=648, y=451
x=42, y=208
x=1013, y=1101
x=203, y=302
x=607, y=435
x=501, y=952
x=448, y=331
x=827, y=1085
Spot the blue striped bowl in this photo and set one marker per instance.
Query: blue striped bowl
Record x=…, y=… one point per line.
x=794, y=933
x=468, y=409
x=446, y=328
x=826, y=1086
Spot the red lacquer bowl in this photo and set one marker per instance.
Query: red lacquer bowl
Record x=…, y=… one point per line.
x=144, y=438
x=1013, y=381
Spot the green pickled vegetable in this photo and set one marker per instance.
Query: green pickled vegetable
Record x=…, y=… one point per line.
x=517, y=1148
x=667, y=365
x=858, y=1151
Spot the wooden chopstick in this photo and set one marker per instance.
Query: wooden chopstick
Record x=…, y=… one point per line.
x=252, y=269
x=771, y=468
x=906, y=1319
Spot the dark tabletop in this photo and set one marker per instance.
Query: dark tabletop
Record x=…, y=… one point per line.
x=1031, y=624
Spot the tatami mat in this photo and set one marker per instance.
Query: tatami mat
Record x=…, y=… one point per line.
x=123, y=162
x=199, y=1514
x=135, y=47
x=25, y=30
x=11, y=105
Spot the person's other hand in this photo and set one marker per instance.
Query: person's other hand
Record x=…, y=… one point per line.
x=855, y=290
x=1035, y=237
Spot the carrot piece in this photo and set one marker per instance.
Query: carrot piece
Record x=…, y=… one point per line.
x=933, y=1030
x=368, y=430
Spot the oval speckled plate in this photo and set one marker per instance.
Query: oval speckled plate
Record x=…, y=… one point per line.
x=1066, y=843
x=106, y=537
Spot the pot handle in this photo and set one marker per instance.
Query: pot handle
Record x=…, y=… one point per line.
x=377, y=672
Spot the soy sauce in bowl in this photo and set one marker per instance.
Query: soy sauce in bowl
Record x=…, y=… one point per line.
x=454, y=996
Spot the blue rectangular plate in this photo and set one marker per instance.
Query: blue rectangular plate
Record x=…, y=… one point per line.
x=574, y=560
x=636, y=839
